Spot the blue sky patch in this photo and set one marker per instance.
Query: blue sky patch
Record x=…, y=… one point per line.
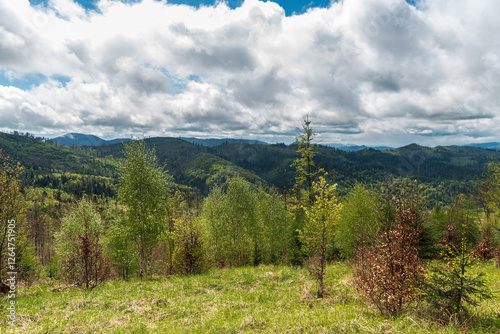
x=30, y=80
x=291, y=7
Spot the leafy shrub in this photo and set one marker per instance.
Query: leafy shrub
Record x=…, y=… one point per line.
x=189, y=254
x=277, y=227
x=29, y=267
x=231, y=223
x=53, y=268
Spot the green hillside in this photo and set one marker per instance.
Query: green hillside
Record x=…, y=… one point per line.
x=43, y=158
x=446, y=170
x=190, y=164
x=272, y=162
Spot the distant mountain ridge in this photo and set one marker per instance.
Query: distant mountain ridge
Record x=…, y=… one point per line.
x=211, y=142
x=80, y=139
x=355, y=148
x=487, y=146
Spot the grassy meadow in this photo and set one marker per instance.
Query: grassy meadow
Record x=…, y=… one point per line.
x=263, y=299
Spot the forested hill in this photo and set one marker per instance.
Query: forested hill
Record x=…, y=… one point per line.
x=191, y=164
x=200, y=167
x=42, y=158
x=272, y=162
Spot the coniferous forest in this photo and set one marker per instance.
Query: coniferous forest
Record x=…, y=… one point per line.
x=160, y=235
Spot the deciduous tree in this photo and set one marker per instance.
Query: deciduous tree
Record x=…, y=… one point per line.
x=231, y=223
x=143, y=189
x=361, y=222
x=277, y=227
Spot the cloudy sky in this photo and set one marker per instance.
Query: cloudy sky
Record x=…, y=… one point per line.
x=385, y=72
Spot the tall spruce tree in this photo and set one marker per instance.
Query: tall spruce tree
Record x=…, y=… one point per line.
x=305, y=169
x=305, y=173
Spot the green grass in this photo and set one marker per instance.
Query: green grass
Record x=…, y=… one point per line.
x=267, y=299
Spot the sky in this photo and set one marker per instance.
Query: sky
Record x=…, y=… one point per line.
x=373, y=72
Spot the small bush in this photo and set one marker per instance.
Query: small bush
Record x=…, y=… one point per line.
x=189, y=253
x=53, y=268
x=484, y=250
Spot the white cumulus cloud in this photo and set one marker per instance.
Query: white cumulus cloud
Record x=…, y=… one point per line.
x=365, y=71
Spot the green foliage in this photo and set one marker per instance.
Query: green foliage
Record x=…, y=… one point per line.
x=53, y=268
x=122, y=250
x=232, y=225
x=143, y=190
x=174, y=212
x=82, y=218
x=298, y=253
x=277, y=227
x=323, y=216
x=445, y=225
x=490, y=186
x=28, y=266
x=361, y=221
x=190, y=252
x=464, y=214
x=453, y=289
x=77, y=184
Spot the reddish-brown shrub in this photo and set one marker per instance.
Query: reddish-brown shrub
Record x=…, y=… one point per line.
x=451, y=241
x=485, y=250
x=316, y=267
x=87, y=267
x=389, y=272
